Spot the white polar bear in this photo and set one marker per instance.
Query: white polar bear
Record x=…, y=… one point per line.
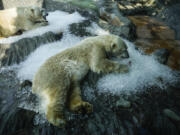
x=57, y=81
x=15, y=20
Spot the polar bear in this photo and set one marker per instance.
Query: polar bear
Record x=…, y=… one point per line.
x=57, y=81
x=20, y=19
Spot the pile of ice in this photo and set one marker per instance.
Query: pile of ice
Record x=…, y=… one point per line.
x=144, y=72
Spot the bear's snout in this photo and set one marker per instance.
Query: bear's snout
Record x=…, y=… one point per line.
x=124, y=54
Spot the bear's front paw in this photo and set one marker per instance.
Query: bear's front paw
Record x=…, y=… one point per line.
x=56, y=119
x=82, y=107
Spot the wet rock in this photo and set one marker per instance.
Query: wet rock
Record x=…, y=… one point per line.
x=52, y=5
x=86, y=4
x=79, y=29
x=16, y=120
x=149, y=46
x=123, y=103
x=21, y=3
x=16, y=52
x=150, y=28
x=153, y=35
x=171, y=17
x=170, y=114
x=114, y=22
x=161, y=125
x=161, y=55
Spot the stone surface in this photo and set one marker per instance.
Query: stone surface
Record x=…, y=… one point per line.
x=170, y=114
x=171, y=17
x=148, y=27
x=123, y=103
x=113, y=21
x=79, y=29
x=161, y=55
x=52, y=5
x=21, y=3
x=14, y=53
x=86, y=4
x=153, y=35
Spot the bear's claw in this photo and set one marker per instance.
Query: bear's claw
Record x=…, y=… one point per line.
x=82, y=107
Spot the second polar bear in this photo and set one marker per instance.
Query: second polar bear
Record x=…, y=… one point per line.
x=20, y=19
x=57, y=81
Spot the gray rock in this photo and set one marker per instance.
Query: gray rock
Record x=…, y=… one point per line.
x=163, y=126
x=16, y=52
x=52, y=5
x=123, y=103
x=21, y=3
x=161, y=55
x=170, y=114
x=171, y=17
x=116, y=23
x=79, y=29
x=85, y=4
x=20, y=117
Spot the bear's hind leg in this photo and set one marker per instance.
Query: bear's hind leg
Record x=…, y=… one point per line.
x=76, y=104
x=55, y=108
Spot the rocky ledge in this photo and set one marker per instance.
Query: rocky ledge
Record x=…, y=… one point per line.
x=14, y=53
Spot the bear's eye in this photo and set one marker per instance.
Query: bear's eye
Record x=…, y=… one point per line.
x=32, y=10
x=113, y=45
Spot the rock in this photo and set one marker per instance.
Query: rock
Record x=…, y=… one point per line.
x=16, y=52
x=150, y=28
x=79, y=29
x=162, y=126
x=171, y=17
x=114, y=22
x=161, y=55
x=21, y=3
x=153, y=35
x=17, y=119
x=170, y=114
x=149, y=46
x=123, y=103
x=64, y=5
x=86, y=4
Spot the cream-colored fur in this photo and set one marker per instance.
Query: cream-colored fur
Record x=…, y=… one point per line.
x=58, y=79
x=19, y=19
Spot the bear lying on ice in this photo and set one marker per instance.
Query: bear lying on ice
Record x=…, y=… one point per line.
x=20, y=19
x=57, y=81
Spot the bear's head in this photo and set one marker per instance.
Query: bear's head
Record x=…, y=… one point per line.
x=38, y=15
x=118, y=48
